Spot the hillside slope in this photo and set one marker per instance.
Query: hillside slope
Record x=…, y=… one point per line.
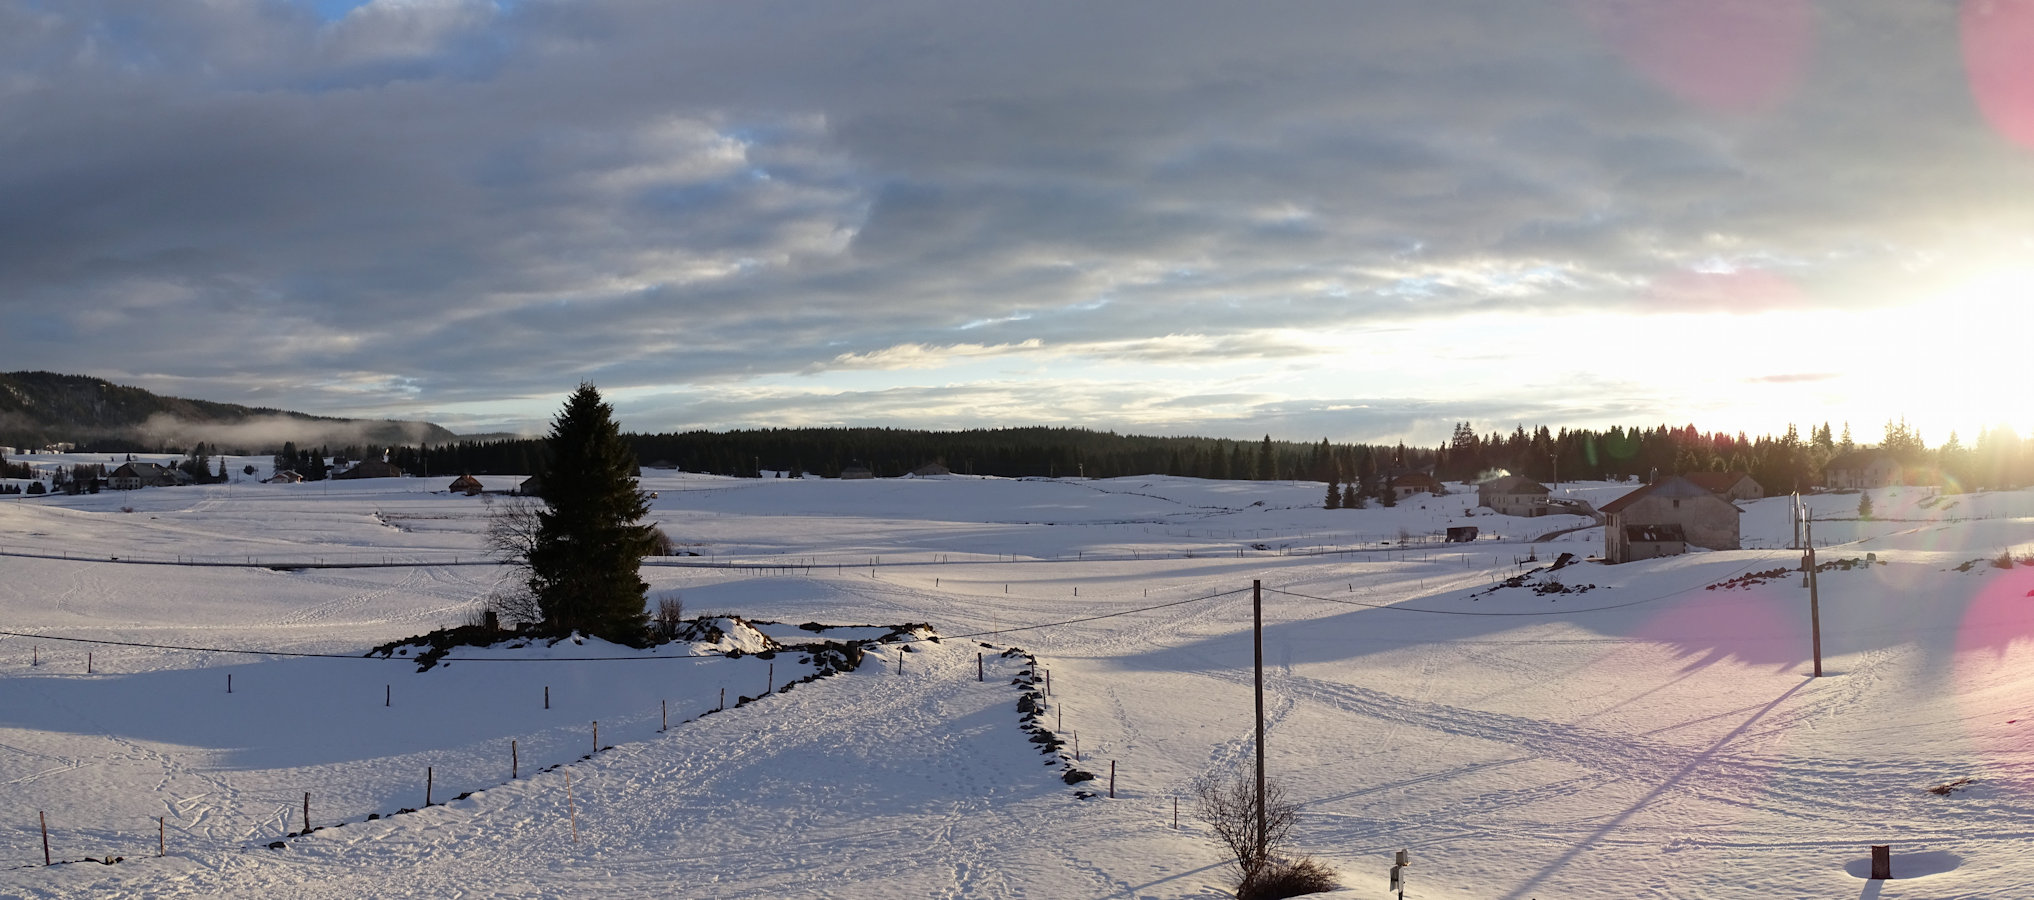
x=42, y=408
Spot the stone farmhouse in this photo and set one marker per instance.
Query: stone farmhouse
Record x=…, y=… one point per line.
x=371, y=468
x=136, y=475
x=1514, y=495
x=1416, y=483
x=1664, y=517
x=1861, y=469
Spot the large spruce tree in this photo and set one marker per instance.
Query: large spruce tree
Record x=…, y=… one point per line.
x=589, y=546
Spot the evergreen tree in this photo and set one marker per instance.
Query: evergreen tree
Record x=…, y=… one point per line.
x=1334, y=500
x=1352, y=498
x=1864, y=505
x=586, y=559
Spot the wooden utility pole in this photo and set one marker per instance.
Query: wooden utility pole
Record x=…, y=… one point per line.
x=1257, y=618
x=1814, y=597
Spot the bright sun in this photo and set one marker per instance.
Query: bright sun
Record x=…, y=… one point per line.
x=1959, y=358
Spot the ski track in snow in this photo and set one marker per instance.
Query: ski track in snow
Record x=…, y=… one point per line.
x=1575, y=755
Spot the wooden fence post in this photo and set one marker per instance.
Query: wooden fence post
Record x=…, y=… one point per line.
x=1882, y=861
x=771, y=685
x=229, y=682
x=547, y=696
x=161, y=843
x=1112, y=779
x=979, y=672
x=515, y=759
x=388, y=695
x=665, y=705
x=44, y=822
x=307, y=814
x=427, y=785
x=88, y=662
x=596, y=735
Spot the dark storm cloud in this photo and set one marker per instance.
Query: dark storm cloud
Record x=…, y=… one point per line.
x=426, y=204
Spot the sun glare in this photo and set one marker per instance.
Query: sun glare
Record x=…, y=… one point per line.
x=1958, y=357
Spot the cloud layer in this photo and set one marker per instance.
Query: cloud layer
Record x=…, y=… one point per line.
x=941, y=215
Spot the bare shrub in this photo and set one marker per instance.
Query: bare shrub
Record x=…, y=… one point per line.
x=669, y=618
x=512, y=529
x=661, y=543
x=1230, y=809
x=1282, y=878
x=514, y=606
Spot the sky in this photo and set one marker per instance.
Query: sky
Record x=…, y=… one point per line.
x=1364, y=221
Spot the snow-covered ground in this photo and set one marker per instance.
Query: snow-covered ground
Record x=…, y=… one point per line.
x=1633, y=735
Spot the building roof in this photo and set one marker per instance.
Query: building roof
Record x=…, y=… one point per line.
x=1672, y=487
x=1717, y=482
x=372, y=468
x=1415, y=479
x=1859, y=459
x=1513, y=484
x=465, y=483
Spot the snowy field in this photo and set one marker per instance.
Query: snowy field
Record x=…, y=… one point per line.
x=1635, y=735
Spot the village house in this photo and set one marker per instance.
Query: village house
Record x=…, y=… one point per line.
x=856, y=472
x=465, y=484
x=1861, y=469
x=371, y=468
x=931, y=469
x=1728, y=485
x=1514, y=495
x=136, y=475
x=1416, y=483
x=1664, y=517
x=285, y=476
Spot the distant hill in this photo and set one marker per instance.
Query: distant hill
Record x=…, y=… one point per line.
x=42, y=408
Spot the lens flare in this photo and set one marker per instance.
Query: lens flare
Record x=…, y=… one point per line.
x=1735, y=291
x=1732, y=56
x=1998, y=58
x=1994, y=668
x=1764, y=627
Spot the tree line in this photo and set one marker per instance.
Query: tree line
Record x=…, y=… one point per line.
x=1998, y=458
x=1791, y=461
